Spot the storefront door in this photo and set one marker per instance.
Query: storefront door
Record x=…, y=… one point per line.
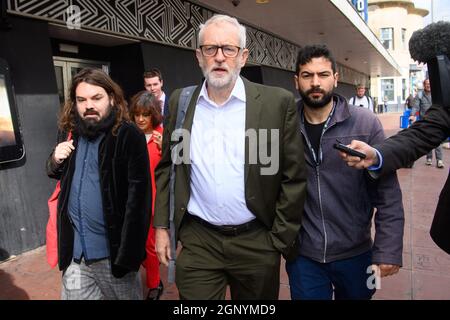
x=67, y=68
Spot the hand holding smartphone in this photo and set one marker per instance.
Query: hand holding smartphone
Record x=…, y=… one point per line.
x=342, y=147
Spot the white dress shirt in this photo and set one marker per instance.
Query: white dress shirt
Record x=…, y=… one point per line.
x=163, y=101
x=217, y=154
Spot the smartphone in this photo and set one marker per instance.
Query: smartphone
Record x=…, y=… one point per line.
x=11, y=143
x=342, y=147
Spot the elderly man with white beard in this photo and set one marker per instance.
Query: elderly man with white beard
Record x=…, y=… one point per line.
x=233, y=217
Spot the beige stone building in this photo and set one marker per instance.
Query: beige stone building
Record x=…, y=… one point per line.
x=393, y=22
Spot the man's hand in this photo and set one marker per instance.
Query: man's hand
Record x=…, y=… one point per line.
x=63, y=151
x=385, y=270
x=412, y=118
x=162, y=245
x=352, y=161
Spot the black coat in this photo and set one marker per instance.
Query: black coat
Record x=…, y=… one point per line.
x=412, y=143
x=126, y=195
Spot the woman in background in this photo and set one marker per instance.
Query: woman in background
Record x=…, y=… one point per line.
x=145, y=111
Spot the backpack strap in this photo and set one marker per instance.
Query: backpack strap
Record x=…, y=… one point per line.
x=370, y=103
x=183, y=104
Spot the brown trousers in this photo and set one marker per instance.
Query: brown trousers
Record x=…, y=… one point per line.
x=209, y=261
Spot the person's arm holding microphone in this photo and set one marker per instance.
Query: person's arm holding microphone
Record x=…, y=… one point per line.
x=432, y=46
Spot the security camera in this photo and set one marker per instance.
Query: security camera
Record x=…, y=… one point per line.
x=235, y=2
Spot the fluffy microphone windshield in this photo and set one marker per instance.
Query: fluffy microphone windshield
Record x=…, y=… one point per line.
x=431, y=41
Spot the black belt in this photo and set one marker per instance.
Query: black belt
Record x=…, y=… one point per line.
x=228, y=230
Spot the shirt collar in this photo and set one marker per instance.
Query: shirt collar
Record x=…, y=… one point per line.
x=163, y=97
x=238, y=92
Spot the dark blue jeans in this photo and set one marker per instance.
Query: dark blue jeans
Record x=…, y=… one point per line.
x=347, y=278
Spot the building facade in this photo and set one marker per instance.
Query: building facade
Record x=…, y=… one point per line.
x=393, y=22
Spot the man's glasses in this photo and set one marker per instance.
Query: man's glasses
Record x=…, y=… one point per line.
x=228, y=51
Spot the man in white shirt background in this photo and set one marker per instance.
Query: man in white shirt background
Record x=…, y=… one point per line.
x=361, y=99
x=153, y=82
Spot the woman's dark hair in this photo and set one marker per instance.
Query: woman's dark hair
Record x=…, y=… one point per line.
x=145, y=102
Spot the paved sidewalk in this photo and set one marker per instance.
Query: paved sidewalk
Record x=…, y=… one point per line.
x=426, y=268
x=425, y=273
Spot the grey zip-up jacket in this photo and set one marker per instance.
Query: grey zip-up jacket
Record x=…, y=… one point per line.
x=341, y=201
x=421, y=103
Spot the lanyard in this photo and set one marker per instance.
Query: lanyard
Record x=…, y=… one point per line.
x=325, y=127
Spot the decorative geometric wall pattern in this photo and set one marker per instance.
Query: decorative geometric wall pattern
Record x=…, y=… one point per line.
x=171, y=22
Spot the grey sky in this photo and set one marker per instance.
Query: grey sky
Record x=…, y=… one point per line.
x=441, y=9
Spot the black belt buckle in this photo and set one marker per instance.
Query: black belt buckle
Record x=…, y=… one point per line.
x=237, y=230
x=230, y=230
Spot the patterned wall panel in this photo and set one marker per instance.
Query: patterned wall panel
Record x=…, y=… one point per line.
x=172, y=22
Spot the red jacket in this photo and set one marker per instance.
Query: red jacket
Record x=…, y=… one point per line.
x=151, y=262
x=154, y=154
